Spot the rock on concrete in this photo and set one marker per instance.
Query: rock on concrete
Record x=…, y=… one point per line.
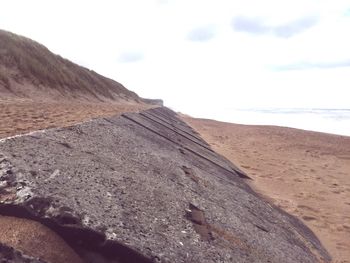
x=145, y=187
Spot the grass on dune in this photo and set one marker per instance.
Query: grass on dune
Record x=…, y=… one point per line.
x=37, y=64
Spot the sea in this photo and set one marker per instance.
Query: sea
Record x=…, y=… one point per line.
x=334, y=121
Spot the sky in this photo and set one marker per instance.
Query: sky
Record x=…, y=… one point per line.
x=202, y=55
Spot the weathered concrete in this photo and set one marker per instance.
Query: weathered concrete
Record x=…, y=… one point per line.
x=146, y=188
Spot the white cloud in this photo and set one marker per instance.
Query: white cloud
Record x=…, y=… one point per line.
x=259, y=27
x=202, y=34
x=130, y=56
x=230, y=70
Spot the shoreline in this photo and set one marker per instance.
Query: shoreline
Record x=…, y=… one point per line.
x=306, y=173
x=331, y=121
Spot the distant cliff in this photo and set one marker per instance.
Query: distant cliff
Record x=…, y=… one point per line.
x=153, y=102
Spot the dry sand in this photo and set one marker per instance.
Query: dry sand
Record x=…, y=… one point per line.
x=32, y=238
x=306, y=173
x=22, y=116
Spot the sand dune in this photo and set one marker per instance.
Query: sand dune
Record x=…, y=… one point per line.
x=305, y=173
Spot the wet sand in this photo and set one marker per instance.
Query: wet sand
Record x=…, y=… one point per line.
x=306, y=173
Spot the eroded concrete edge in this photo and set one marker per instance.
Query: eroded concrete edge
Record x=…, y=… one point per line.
x=10, y=255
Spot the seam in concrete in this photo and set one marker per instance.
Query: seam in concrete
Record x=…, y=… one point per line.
x=197, y=138
x=241, y=175
x=175, y=130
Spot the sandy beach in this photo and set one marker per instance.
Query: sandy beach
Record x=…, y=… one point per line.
x=306, y=173
x=19, y=116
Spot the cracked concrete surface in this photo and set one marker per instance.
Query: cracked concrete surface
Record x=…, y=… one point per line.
x=131, y=189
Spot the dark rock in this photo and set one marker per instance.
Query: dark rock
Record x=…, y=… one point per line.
x=146, y=188
x=10, y=255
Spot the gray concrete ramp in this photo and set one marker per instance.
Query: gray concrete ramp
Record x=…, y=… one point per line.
x=145, y=187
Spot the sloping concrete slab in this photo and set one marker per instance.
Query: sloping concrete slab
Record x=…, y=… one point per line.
x=134, y=190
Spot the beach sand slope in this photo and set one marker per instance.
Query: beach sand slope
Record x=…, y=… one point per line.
x=306, y=173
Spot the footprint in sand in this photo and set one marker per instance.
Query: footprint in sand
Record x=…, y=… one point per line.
x=308, y=208
x=342, y=245
x=309, y=218
x=298, y=180
x=346, y=228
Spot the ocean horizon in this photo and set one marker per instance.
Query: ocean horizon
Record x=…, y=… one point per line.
x=327, y=120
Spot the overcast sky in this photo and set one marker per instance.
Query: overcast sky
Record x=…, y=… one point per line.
x=197, y=55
